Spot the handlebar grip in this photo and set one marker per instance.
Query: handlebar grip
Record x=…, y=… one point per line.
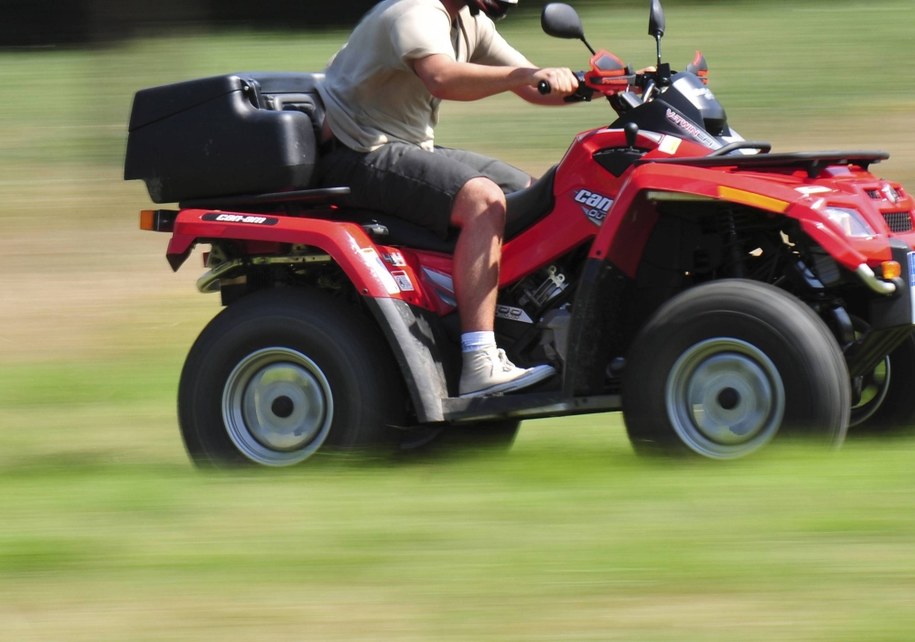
x=544, y=87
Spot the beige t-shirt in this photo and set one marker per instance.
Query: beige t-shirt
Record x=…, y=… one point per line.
x=371, y=93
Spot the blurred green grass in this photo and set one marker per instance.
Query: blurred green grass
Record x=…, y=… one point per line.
x=570, y=537
x=109, y=535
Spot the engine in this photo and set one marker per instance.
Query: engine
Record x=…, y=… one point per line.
x=536, y=314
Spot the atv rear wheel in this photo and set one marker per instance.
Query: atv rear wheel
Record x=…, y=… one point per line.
x=285, y=373
x=723, y=368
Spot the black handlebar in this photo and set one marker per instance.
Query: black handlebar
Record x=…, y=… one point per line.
x=582, y=94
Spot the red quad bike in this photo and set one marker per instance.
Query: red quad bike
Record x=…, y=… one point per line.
x=718, y=294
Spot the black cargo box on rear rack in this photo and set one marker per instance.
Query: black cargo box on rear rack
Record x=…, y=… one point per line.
x=244, y=133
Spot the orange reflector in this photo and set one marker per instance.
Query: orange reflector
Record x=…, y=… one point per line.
x=753, y=200
x=891, y=270
x=158, y=220
x=148, y=220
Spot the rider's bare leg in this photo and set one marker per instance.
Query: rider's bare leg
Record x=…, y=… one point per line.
x=479, y=211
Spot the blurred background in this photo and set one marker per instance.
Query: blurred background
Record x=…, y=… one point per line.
x=108, y=534
x=91, y=22
x=55, y=22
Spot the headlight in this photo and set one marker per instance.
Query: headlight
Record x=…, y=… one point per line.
x=851, y=221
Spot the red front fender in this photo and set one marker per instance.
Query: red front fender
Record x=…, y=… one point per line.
x=621, y=239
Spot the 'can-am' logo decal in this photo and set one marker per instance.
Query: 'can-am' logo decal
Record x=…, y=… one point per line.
x=594, y=205
x=240, y=218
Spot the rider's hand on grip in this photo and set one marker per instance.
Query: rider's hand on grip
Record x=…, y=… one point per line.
x=555, y=80
x=582, y=93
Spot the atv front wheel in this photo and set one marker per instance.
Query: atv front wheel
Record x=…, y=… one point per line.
x=723, y=368
x=886, y=402
x=281, y=374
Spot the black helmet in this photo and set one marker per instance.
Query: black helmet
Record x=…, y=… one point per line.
x=495, y=9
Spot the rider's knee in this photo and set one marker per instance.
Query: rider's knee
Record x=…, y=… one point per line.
x=479, y=200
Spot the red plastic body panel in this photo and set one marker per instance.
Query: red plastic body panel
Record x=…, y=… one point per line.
x=375, y=270
x=612, y=216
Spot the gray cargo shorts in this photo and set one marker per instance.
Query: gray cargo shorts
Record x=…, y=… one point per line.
x=411, y=183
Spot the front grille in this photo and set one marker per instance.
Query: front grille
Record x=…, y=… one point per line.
x=898, y=221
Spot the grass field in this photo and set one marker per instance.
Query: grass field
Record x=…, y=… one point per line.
x=108, y=535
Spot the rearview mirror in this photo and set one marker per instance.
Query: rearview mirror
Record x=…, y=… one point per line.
x=561, y=21
x=656, y=20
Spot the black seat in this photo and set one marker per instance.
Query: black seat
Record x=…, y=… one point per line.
x=525, y=207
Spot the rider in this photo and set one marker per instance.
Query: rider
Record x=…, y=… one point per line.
x=382, y=93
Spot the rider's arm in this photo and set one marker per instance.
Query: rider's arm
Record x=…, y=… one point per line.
x=450, y=80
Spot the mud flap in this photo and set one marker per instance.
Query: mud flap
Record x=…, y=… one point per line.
x=598, y=330
x=418, y=354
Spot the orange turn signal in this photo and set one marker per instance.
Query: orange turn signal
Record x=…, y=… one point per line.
x=148, y=220
x=157, y=220
x=891, y=270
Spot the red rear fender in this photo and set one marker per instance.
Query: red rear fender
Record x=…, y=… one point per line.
x=372, y=269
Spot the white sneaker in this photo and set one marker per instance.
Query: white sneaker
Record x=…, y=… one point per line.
x=489, y=372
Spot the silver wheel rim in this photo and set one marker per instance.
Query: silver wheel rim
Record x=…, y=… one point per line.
x=277, y=407
x=725, y=398
x=875, y=386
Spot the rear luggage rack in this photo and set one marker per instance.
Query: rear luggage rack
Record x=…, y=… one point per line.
x=812, y=162
x=323, y=196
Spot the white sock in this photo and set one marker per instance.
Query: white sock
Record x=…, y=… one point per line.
x=471, y=341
